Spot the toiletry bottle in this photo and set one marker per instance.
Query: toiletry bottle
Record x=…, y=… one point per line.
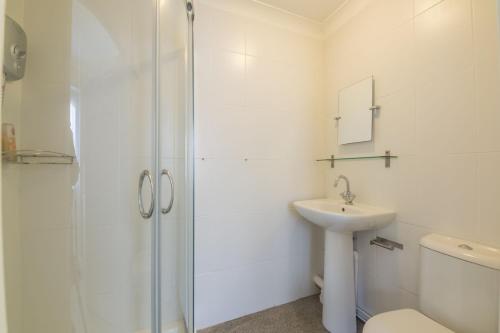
x=8, y=141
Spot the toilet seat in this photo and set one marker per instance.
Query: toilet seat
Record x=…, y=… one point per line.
x=403, y=321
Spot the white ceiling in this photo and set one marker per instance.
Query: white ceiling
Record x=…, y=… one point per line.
x=317, y=10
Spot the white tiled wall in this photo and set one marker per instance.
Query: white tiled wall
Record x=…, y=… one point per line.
x=437, y=80
x=259, y=127
x=45, y=192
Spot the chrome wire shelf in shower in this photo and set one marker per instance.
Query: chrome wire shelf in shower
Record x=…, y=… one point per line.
x=387, y=157
x=37, y=157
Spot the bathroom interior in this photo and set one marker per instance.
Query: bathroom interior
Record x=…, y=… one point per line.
x=244, y=166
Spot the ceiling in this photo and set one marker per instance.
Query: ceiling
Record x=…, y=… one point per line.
x=317, y=10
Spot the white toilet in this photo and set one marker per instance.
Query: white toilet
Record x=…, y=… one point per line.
x=459, y=291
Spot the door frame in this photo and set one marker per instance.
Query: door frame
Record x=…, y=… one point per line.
x=3, y=305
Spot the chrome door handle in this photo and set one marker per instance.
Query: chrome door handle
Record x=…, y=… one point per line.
x=167, y=173
x=146, y=214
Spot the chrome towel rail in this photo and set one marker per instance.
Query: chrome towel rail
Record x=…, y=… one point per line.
x=386, y=243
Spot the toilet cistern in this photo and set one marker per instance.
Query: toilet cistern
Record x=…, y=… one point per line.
x=348, y=196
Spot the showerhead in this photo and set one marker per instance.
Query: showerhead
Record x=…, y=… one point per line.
x=15, y=48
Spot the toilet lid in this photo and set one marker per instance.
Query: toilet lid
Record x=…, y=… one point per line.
x=403, y=321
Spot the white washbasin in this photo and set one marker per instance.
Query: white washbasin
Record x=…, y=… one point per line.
x=340, y=221
x=335, y=215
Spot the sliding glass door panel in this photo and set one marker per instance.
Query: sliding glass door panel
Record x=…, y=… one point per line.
x=175, y=138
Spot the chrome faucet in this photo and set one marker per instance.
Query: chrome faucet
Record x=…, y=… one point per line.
x=348, y=196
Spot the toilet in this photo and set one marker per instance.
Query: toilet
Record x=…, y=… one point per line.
x=458, y=291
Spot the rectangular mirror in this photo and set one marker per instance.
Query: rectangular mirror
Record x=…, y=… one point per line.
x=355, y=119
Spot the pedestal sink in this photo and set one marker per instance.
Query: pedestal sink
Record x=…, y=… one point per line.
x=340, y=221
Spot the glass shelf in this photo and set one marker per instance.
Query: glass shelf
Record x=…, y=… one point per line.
x=387, y=157
x=37, y=157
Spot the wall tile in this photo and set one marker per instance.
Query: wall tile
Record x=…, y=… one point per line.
x=395, y=123
x=487, y=69
x=212, y=136
x=202, y=59
x=387, y=277
x=50, y=40
x=405, y=187
x=46, y=104
x=456, y=211
x=263, y=83
x=272, y=42
x=38, y=188
x=407, y=261
x=366, y=287
x=227, y=31
x=234, y=293
x=203, y=31
x=46, y=256
x=489, y=192
x=445, y=115
x=227, y=79
x=444, y=39
x=394, y=66
x=408, y=300
x=423, y=5
x=388, y=15
x=487, y=89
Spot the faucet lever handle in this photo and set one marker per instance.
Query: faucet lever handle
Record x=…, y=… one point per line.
x=348, y=197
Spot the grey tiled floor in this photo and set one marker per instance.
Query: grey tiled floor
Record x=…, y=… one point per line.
x=302, y=316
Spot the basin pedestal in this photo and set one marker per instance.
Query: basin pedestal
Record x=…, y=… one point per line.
x=339, y=304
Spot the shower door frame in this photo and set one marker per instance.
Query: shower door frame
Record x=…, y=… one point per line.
x=156, y=322
x=3, y=305
x=156, y=241
x=190, y=169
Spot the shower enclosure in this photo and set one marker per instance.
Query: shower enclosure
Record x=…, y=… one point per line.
x=97, y=195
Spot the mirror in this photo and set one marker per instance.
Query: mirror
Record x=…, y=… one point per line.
x=355, y=118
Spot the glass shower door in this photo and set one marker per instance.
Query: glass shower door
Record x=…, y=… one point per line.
x=113, y=98
x=99, y=86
